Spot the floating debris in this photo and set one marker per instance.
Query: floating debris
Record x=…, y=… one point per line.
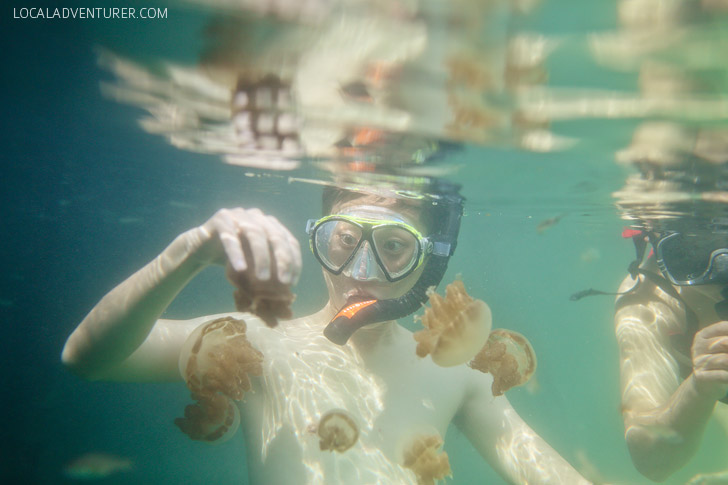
x=590, y=255
x=548, y=223
x=95, y=466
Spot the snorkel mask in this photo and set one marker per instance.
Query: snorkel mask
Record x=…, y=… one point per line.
x=396, y=248
x=692, y=259
x=381, y=247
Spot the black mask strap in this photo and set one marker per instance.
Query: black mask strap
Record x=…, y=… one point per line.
x=640, y=246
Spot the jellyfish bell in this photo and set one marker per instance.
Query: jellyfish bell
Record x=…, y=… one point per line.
x=456, y=327
x=216, y=361
x=423, y=454
x=509, y=357
x=337, y=431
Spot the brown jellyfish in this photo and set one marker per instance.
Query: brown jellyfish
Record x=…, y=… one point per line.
x=216, y=361
x=337, y=431
x=509, y=357
x=424, y=456
x=456, y=327
x=269, y=299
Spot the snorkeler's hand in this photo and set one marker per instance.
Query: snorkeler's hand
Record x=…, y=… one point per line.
x=710, y=360
x=248, y=240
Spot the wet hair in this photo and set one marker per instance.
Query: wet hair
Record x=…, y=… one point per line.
x=335, y=196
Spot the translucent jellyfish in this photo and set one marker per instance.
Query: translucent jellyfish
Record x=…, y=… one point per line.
x=456, y=327
x=269, y=299
x=424, y=456
x=509, y=357
x=337, y=431
x=216, y=361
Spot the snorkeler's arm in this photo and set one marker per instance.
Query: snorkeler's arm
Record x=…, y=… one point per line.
x=124, y=323
x=664, y=415
x=511, y=447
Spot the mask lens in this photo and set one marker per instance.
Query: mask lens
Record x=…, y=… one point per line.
x=687, y=257
x=398, y=249
x=335, y=242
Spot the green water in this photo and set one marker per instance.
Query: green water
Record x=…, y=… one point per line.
x=89, y=197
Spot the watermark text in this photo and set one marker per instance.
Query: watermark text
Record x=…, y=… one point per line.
x=90, y=13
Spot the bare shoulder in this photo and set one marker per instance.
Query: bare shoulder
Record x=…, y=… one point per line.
x=648, y=308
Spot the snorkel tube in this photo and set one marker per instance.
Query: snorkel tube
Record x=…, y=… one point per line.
x=447, y=204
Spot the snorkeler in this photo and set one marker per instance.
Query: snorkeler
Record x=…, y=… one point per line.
x=328, y=400
x=672, y=311
x=672, y=331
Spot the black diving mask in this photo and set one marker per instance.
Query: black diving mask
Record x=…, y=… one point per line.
x=692, y=259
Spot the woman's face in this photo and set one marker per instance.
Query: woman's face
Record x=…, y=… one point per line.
x=359, y=278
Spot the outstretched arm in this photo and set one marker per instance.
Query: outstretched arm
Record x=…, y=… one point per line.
x=664, y=415
x=507, y=442
x=124, y=323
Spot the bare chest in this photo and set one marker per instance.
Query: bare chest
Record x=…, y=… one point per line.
x=391, y=396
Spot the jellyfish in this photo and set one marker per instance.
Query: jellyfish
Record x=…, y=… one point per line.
x=337, y=431
x=216, y=361
x=456, y=327
x=509, y=357
x=269, y=299
x=424, y=456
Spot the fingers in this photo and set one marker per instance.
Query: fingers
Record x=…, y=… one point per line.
x=710, y=359
x=255, y=230
x=717, y=345
x=251, y=239
x=223, y=227
x=712, y=339
x=715, y=330
x=711, y=362
x=284, y=248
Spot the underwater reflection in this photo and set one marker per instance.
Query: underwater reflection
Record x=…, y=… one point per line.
x=347, y=86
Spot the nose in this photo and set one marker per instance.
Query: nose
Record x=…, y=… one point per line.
x=364, y=266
